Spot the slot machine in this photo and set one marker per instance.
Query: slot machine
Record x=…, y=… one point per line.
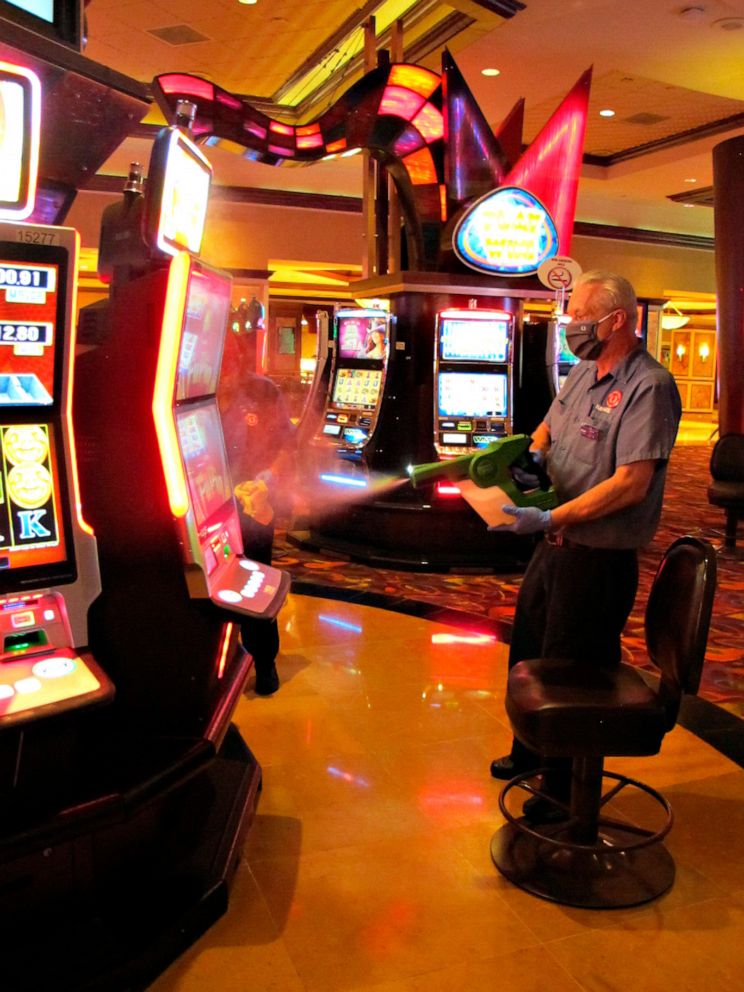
x=48, y=562
x=560, y=358
x=472, y=379
x=357, y=382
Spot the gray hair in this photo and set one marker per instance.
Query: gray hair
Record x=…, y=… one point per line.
x=619, y=291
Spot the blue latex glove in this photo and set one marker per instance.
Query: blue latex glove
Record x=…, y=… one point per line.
x=527, y=520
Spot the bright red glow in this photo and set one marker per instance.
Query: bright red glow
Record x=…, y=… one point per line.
x=550, y=167
x=222, y=659
x=165, y=378
x=309, y=129
x=254, y=129
x=463, y=639
x=336, y=146
x=181, y=85
x=414, y=77
x=309, y=140
x=429, y=122
x=447, y=489
x=420, y=167
x=68, y=403
x=279, y=128
x=228, y=100
x=399, y=102
x=443, y=202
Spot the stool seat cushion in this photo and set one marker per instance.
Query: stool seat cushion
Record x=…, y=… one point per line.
x=558, y=708
x=725, y=493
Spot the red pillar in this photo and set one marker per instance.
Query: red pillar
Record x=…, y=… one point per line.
x=728, y=182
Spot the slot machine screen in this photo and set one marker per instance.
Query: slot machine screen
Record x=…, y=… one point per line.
x=564, y=354
x=29, y=296
x=20, y=102
x=362, y=336
x=177, y=194
x=474, y=340
x=357, y=389
x=30, y=500
x=472, y=394
x=206, y=316
x=207, y=473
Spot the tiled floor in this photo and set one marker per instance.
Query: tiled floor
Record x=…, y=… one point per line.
x=368, y=866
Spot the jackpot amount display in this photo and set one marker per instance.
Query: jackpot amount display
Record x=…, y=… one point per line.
x=28, y=312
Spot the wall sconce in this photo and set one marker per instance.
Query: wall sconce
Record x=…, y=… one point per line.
x=704, y=351
x=672, y=319
x=680, y=351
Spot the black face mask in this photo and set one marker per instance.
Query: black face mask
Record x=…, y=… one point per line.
x=581, y=338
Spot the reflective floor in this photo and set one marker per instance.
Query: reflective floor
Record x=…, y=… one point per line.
x=368, y=865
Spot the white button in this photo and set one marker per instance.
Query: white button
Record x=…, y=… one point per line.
x=229, y=596
x=27, y=685
x=6, y=691
x=53, y=668
x=49, y=615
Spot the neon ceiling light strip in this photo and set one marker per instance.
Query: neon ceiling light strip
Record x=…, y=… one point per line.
x=344, y=480
x=165, y=379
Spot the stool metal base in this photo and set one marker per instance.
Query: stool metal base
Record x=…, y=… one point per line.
x=597, y=878
x=595, y=862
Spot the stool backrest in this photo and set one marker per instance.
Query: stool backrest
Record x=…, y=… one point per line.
x=678, y=618
x=727, y=458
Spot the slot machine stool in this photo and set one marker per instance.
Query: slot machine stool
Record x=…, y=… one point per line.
x=594, y=858
x=726, y=488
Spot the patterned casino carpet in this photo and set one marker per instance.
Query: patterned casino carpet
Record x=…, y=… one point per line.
x=488, y=600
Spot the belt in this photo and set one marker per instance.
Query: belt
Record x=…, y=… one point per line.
x=557, y=539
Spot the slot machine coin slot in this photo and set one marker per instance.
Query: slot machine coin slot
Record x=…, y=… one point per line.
x=22, y=642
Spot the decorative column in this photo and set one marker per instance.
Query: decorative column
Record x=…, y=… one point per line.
x=728, y=184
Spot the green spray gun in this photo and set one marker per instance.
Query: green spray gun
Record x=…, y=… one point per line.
x=492, y=466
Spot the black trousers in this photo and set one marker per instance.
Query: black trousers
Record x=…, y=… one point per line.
x=573, y=603
x=260, y=638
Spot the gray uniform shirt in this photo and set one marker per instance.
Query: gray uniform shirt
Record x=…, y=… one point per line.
x=629, y=415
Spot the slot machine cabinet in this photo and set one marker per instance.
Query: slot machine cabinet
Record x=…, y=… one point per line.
x=48, y=562
x=535, y=373
x=473, y=389
x=432, y=527
x=361, y=348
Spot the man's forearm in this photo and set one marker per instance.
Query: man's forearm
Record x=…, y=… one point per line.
x=627, y=486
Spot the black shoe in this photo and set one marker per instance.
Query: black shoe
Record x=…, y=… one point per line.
x=507, y=767
x=543, y=809
x=267, y=681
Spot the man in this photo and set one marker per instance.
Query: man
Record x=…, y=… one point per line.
x=259, y=441
x=606, y=440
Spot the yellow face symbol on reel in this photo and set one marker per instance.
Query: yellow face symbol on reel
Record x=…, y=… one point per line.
x=25, y=443
x=29, y=486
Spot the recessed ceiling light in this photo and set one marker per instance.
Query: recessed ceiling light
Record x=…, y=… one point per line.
x=248, y=2
x=729, y=23
x=491, y=72
x=607, y=112
x=688, y=204
x=690, y=180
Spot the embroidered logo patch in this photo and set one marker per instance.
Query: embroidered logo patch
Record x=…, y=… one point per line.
x=251, y=419
x=614, y=398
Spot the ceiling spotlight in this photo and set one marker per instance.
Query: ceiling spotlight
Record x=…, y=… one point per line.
x=688, y=204
x=692, y=13
x=607, y=112
x=690, y=180
x=248, y=2
x=491, y=72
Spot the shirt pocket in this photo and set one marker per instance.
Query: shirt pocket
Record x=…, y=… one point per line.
x=591, y=441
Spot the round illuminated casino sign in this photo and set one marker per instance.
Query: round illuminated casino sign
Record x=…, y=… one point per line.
x=508, y=232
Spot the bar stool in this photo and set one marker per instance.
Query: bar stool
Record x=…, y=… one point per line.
x=594, y=858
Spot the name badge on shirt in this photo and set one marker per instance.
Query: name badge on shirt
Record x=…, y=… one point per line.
x=590, y=431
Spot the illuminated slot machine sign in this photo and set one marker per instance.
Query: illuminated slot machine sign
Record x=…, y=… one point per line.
x=48, y=562
x=358, y=376
x=20, y=115
x=192, y=446
x=473, y=379
x=177, y=197
x=560, y=359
